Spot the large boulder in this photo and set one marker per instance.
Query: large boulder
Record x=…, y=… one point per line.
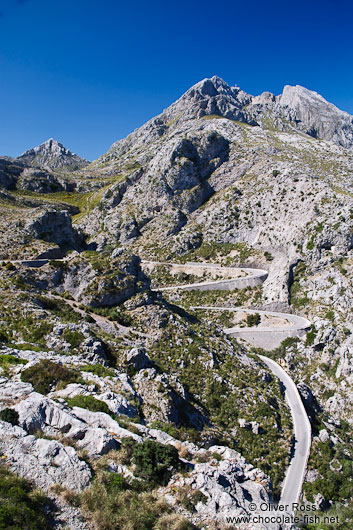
x=38, y=413
x=45, y=462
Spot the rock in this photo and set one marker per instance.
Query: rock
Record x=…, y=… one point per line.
x=138, y=358
x=316, y=116
x=104, y=421
x=320, y=502
x=306, y=395
x=54, y=226
x=324, y=436
x=71, y=390
x=155, y=388
x=11, y=392
x=42, y=182
x=45, y=462
x=312, y=475
x=255, y=427
x=97, y=282
x=43, y=414
x=10, y=170
x=243, y=424
x=227, y=489
x=118, y=404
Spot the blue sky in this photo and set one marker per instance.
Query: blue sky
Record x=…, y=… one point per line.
x=89, y=72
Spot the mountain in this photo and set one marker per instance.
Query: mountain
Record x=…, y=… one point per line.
x=98, y=360
x=297, y=109
x=52, y=155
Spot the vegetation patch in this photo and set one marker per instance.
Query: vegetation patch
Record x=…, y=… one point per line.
x=10, y=359
x=155, y=462
x=21, y=506
x=89, y=403
x=253, y=319
x=298, y=299
x=47, y=376
x=98, y=369
x=59, y=308
x=74, y=338
x=9, y=415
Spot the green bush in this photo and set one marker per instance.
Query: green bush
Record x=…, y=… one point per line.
x=34, y=331
x=114, y=483
x=6, y=361
x=20, y=507
x=310, y=244
x=3, y=336
x=45, y=376
x=59, y=308
x=9, y=415
x=268, y=256
x=154, y=461
x=253, y=320
x=10, y=359
x=74, y=338
x=98, y=369
x=89, y=403
x=310, y=337
x=330, y=315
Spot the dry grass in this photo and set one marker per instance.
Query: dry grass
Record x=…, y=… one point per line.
x=121, y=510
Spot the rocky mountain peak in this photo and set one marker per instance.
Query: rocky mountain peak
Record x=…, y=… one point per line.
x=293, y=96
x=212, y=96
x=211, y=87
x=316, y=116
x=51, y=154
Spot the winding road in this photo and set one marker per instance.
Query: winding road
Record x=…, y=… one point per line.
x=265, y=337
x=294, y=479
x=295, y=326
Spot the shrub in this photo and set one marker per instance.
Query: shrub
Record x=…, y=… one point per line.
x=114, y=483
x=154, y=461
x=3, y=336
x=98, y=369
x=7, y=360
x=36, y=331
x=10, y=359
x=275, y=173
x=253, y=320
x=20, y=507
x=46, y=375
x=310, y=244
x=268, y=256
x=190, y=501
x=74, y=338
x=310, y=337
x=9, y=415
x=330, y=315
x=89, y=403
